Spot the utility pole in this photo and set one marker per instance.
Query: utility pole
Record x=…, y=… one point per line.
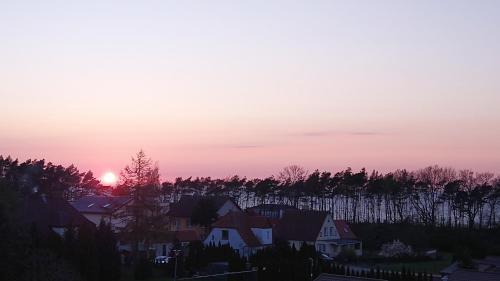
x=176, y=253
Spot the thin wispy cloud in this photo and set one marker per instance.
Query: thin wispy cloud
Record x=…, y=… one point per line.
x=329, y=133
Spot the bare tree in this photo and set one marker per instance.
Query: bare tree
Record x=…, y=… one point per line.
x=427, y=193
x=292, y=174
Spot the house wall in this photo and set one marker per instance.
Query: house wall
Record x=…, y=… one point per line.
x=228, y=206
x=297, y=244
x=234, y=240
x=328, y=230
x=265, y=235
x=182, y=223
x=159, y=247
x=96, y=218
x=116, y=220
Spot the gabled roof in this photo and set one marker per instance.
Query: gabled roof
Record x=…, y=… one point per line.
x=100, y=204
x=344, y=230
x=300, y=225
x=186, y=205
x=272, y=207
x=172, y=236
x=48, y=212
x=243, y=223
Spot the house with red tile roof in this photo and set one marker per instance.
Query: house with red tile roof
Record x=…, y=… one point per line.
x=317, y=228
x=243, y=232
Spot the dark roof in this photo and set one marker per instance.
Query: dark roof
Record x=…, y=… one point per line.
x=334, y=277
x=344, y=230
x=47, y=212
x=300, y=225
x=181, y=236
x=100, y=204
x=243, y=223
x=186, y=205
x=469, y=275
x=272, y=207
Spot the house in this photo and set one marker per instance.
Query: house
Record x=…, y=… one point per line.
x=243, y=232
x=51, y=215
x=111, y=209
x=272, y=211
x=163, y=243
x=180, y=213
x=317, y=228
x=334, y=277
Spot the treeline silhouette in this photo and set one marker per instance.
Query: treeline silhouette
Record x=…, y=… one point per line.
x=432, y=196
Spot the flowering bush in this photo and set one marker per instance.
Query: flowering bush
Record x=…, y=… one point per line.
x=395, y=249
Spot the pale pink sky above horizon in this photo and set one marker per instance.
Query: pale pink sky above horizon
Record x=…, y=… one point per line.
x=217, y=88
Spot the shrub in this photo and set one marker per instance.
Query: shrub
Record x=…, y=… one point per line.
x=395, y=249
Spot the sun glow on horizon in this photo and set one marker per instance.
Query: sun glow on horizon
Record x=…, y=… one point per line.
x=109, y=178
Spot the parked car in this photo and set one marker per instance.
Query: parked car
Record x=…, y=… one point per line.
x=325, y=257
x=162, y=260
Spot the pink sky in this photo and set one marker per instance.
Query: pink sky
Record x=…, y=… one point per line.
x=231, y=88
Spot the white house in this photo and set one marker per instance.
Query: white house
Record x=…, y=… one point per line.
x=316, y=228
x=244, y=233
x=111, y=209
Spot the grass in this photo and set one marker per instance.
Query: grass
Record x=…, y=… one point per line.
x=433, y=266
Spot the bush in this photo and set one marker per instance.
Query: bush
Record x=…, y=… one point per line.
x=395, y=249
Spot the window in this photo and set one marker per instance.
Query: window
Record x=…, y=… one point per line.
x=357, y=246
x=225, y=235
x=324, y=231
x=331, y=231
x=322, y=247
x=268, y=234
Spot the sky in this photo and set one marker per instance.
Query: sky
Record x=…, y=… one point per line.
x=217, y=88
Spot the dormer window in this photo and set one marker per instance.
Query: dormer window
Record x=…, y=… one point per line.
x=106, y=206
x=90, y=205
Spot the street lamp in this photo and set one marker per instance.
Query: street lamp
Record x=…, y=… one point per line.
x=176, y=253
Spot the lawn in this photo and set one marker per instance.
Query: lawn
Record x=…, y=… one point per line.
x=433, y=266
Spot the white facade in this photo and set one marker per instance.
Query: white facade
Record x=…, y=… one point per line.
x=265, y=235
x=227, y=207
x=330, y=232
x=231, y=236
x=117, y=219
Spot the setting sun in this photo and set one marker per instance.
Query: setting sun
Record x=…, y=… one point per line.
x=109, y=178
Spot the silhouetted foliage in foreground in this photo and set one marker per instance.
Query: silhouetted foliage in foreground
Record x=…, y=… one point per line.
x=81, y=254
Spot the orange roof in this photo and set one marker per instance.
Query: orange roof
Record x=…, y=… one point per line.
x=344, y=230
